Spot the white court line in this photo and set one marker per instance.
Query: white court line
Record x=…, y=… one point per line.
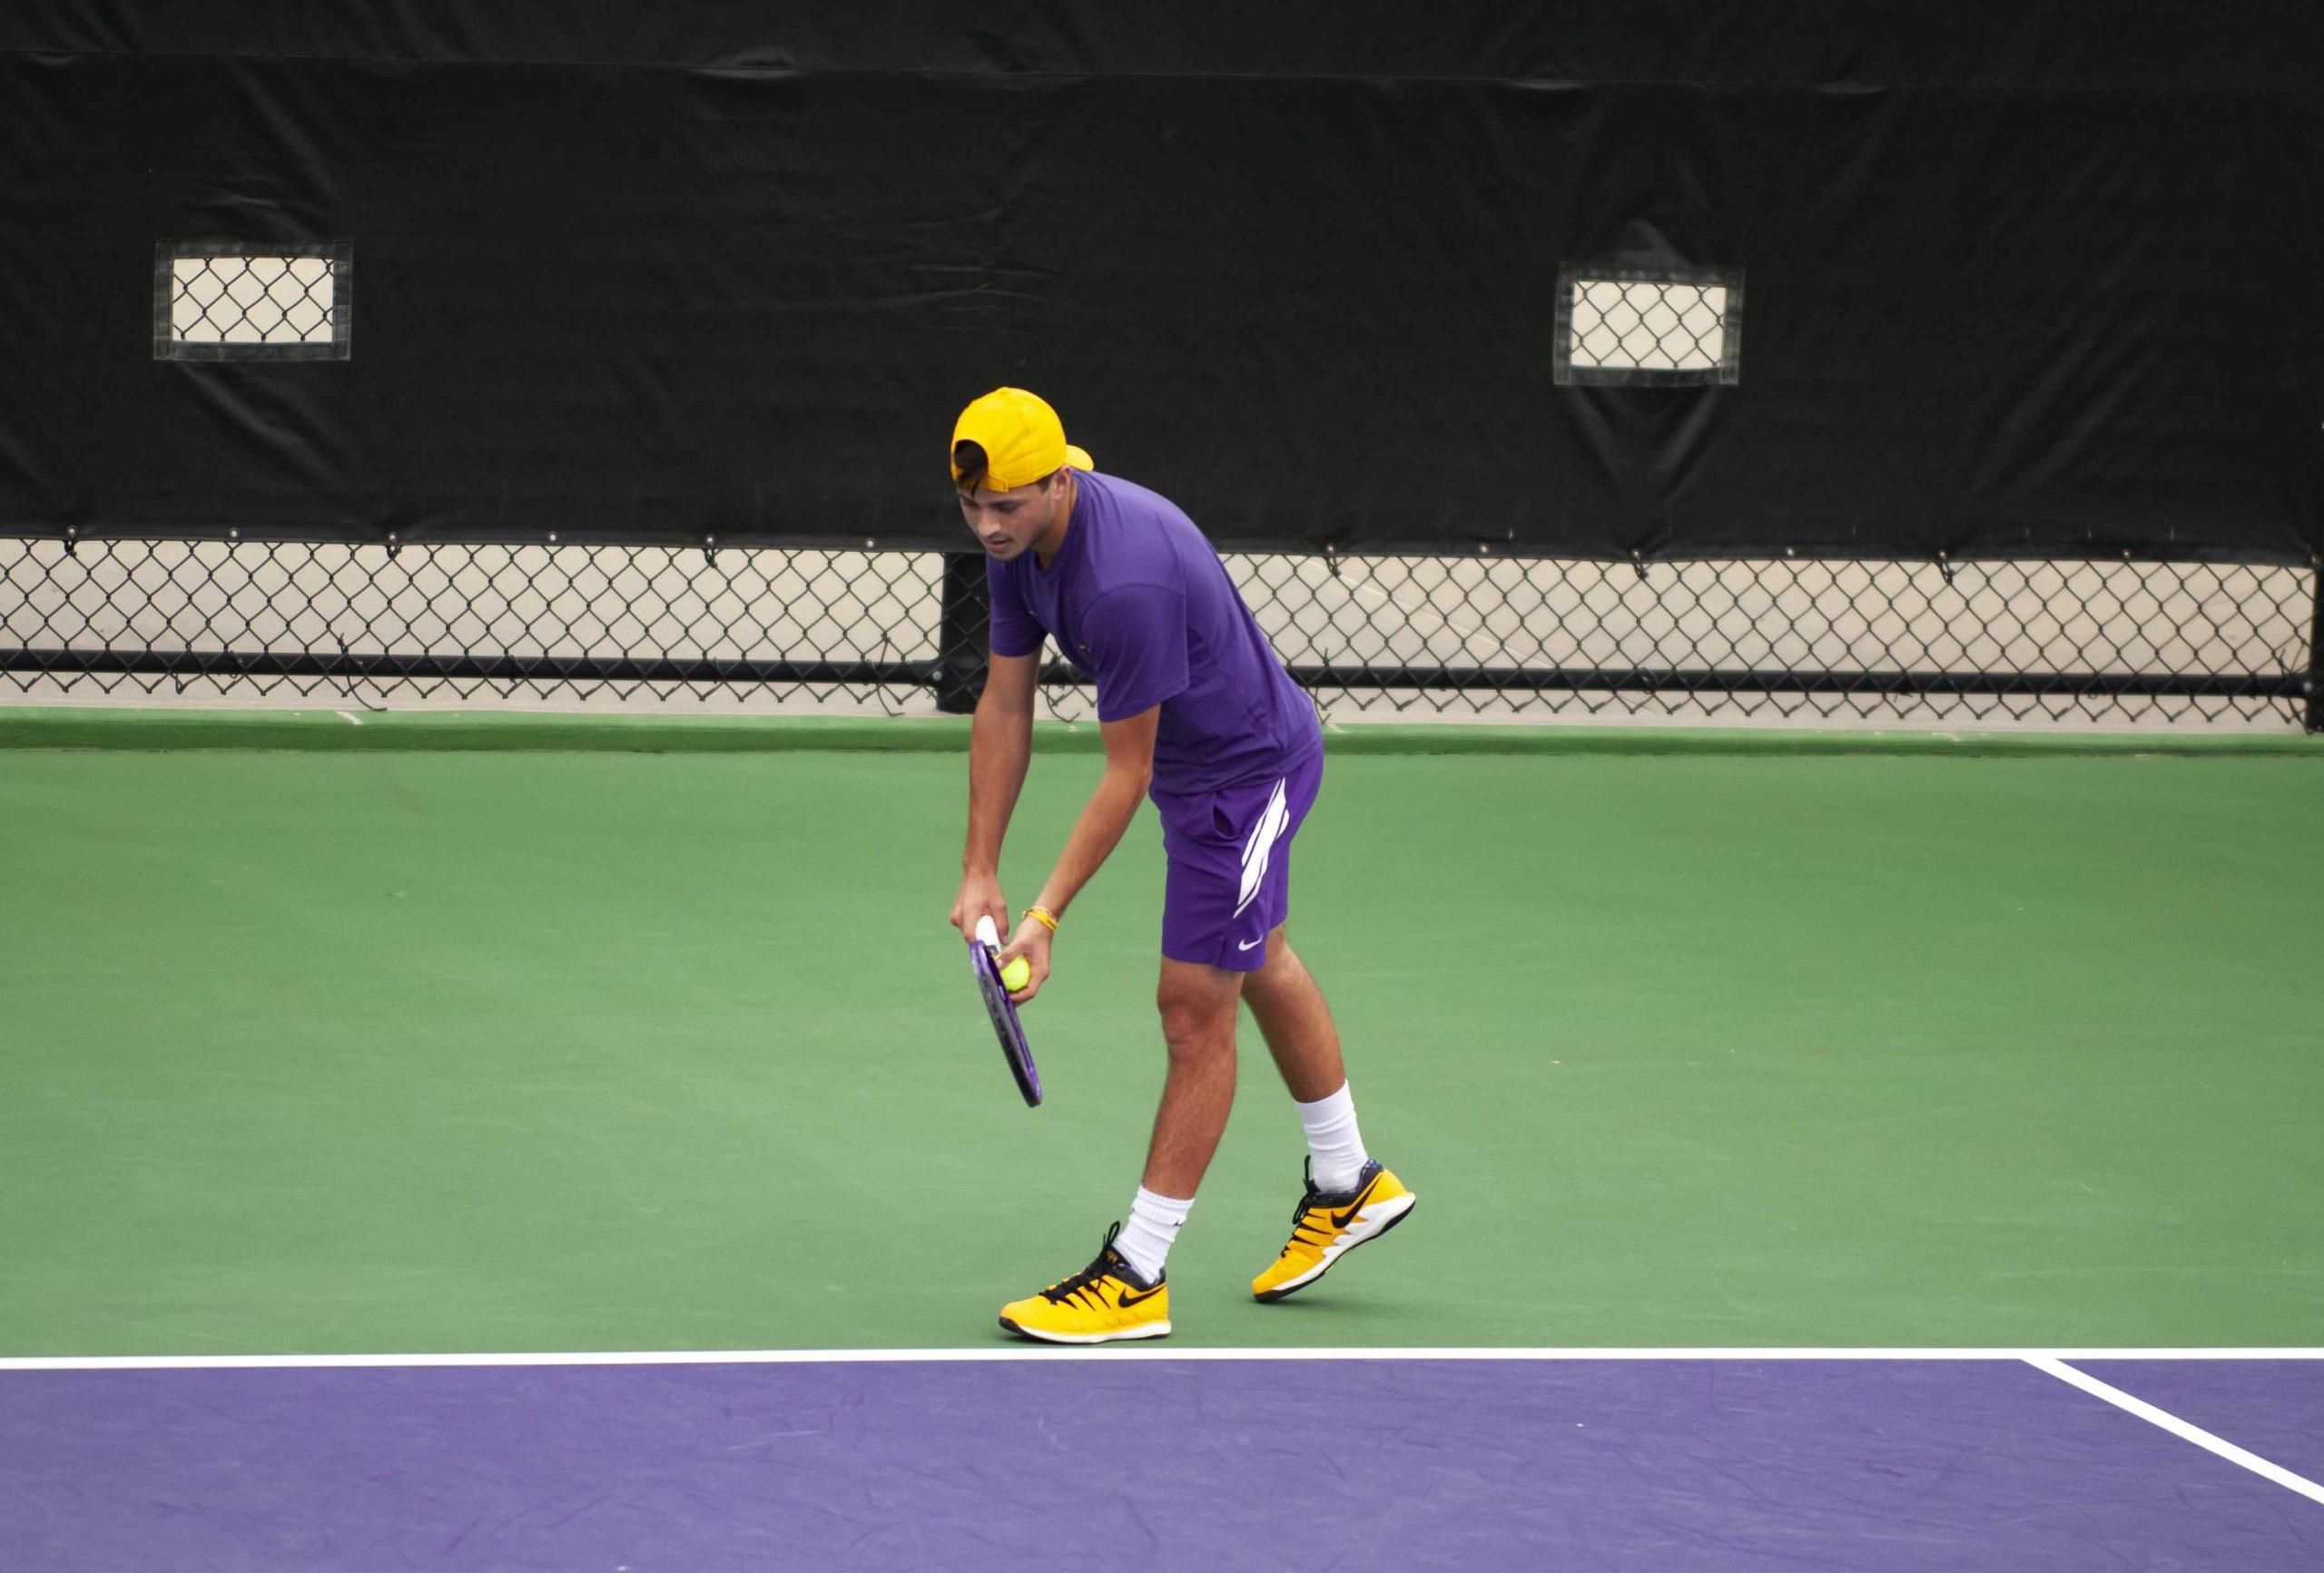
x=2175, y=1426
x=1068, y=1351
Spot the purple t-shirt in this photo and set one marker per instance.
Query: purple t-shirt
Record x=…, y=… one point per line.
x=1137, y=599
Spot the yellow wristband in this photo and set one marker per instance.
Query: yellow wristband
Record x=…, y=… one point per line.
x=1047, y=918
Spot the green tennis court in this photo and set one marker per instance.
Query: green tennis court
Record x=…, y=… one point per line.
x=440, y=1034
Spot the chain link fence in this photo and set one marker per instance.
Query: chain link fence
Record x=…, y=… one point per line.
x=221, y=301
x=1371, y=637
x=1647, y=327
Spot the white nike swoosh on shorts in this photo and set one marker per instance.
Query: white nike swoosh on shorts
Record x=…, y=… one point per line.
x=1251, y=944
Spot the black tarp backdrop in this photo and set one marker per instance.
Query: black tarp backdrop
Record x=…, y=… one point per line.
x=2039, y=279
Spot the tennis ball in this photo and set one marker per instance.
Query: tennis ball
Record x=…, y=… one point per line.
x=1017, y=974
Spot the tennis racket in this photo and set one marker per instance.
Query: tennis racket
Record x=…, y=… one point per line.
x=984, y=958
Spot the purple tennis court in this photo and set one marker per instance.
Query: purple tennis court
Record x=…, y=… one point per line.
x=1219, y=1464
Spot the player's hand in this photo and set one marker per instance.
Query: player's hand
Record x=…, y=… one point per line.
x=979, y=897
x=1032, y=942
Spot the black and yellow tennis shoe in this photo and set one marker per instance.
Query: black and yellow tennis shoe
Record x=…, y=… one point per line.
x=1105, y=1301
x=1327, y=1225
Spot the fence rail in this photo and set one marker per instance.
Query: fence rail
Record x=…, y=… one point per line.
x=278, y=622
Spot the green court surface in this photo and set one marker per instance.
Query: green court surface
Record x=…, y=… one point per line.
x=432, y=1050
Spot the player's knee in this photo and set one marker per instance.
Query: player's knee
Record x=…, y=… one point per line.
x=1200, y=1045
x=1193, y=1026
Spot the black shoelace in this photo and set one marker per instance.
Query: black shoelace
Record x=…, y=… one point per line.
x=1107, y=1264
x=1313, y=1199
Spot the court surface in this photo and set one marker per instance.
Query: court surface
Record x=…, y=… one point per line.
x=1738, y=1060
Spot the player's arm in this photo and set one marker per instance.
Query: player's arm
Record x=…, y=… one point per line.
x=1000, y=748
x=1129, y=766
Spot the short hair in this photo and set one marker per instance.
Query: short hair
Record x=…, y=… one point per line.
x=970, y=467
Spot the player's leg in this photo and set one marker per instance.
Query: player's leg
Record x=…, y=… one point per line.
x=1215, y=926
x=1350, y=1198
x=1288, y=1005
x=1290, y=1009
x=1122, y=1293
x=1197, y=1005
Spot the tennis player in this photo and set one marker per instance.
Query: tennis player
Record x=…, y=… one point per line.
x=1196, y=713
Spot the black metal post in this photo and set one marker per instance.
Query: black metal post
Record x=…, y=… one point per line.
x=963, y=626
x=2314, y=720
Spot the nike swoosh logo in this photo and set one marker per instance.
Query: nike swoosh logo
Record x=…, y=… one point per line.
x=1341, y=1221
x=1253, y=945
x=1129, y=1300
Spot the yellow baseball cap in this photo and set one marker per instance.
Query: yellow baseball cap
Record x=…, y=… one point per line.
x=1022, y=439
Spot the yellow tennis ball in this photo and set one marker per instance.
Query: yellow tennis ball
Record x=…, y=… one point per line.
x=1017, y=974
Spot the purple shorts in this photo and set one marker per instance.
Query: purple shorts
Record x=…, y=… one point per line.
x=1229, y=883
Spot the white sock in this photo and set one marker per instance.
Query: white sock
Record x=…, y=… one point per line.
x=1332, y=1138
x=1154, y=1222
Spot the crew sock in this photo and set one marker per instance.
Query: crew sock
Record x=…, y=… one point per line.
x=1334, y=1140
x=1154, y=1223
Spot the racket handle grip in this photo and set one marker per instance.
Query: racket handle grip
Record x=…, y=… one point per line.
x=987, y=935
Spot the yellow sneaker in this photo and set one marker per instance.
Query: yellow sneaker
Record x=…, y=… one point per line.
x=1326, y=1226
x=1105, y=1301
